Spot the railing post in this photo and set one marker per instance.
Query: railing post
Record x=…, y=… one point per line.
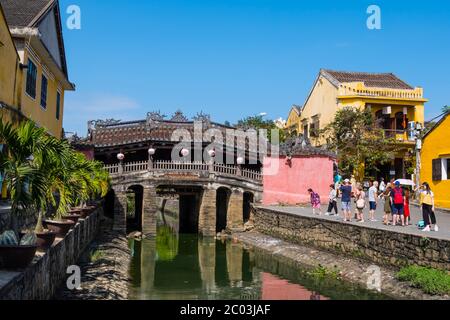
x=239, y=170
x=150, y=163
x=121, y=167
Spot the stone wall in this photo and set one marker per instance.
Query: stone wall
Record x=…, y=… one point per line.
x=383, y=247
x=44, y=276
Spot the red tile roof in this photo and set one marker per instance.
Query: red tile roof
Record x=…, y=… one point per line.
x=381, y=80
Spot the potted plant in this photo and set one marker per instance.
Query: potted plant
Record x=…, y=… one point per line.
x=15, y=253
x=27, y=147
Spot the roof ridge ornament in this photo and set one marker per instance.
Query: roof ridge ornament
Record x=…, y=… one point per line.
x=179, y=116
x=155, y=116
x=203, y=117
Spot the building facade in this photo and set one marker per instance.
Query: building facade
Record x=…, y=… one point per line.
x=393, y=102
x=9, y=72
x=435, y=157
x=36, y=31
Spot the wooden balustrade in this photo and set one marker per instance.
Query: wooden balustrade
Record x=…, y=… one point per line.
x=170, y=166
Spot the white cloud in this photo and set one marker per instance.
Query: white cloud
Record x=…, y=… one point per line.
x=78, y=111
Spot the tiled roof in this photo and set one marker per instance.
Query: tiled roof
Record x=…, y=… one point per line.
x=380, y=80
x=21, y=13
x=125, y=133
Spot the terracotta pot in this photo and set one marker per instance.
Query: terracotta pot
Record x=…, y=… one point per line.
x=87, y=211
x=73, y=217
x=61, y=227
x=16, y=257
x=44, y=239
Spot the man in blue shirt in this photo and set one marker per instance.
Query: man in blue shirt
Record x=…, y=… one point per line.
x=346, y=192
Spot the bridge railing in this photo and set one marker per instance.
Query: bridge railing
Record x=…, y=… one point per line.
x=179, y=166
x=170, y=166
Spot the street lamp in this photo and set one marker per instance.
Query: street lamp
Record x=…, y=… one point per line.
x=240, y=161
x=184, y=152
x=151, y=153
x=120, y=157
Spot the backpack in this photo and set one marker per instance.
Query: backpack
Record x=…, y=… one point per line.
x=421, y=225
x=398, y=196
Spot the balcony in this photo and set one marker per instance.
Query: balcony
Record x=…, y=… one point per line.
x=358, y=89
x=399, y=135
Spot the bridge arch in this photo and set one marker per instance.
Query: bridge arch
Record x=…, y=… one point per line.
x=249, y=199
x=134, y=207
x=223, y=195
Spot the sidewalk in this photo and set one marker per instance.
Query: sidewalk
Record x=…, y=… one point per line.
x=443, y=220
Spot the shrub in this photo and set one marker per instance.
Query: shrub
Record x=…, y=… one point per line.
x=431, y=281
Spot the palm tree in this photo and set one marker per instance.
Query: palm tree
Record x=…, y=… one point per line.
x=44, y=172
x=27, y=148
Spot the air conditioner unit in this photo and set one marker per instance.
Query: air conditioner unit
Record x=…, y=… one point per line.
x=387, y=110
x=411, y=131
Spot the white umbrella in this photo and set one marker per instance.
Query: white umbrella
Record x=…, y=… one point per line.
x=406, y=182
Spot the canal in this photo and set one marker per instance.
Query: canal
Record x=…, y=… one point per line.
x=189, y=267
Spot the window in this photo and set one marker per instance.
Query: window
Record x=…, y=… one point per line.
x=58, y=105
x=305, y=130
x=441, y=169
x=401, y=121
x=44, y=84
x=31, y=79
x=315, y=127
x=445, y=169
x=437, y=170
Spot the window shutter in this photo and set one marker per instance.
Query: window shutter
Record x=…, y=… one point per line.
x=437, y=170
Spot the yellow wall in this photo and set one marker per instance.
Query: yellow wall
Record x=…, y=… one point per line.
x=293, y=122
x=322, y=102
x=9, y=68
x=437, y=145
x=32, y=109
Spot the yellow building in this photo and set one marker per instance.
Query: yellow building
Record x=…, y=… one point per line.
x=392, y=101
x=293, y=126
x=36, y=30
x=9, y=72
x=435, y=156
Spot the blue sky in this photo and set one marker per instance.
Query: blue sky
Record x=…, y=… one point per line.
x=242, y=57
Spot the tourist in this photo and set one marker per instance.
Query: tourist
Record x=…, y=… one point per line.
x=373, y=194
x=407, y=209
x=356, y=191
x=382, y=186
x=332, y=197
x=398, y=201
x=315, y=201
x=387, y=205
x=346, y=198
x=427, y=202
x=360, y=204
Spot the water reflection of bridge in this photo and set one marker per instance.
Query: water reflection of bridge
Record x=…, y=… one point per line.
x=201, y=268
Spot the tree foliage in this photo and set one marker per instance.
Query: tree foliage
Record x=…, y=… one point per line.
x=258, y=122
x=359, y=142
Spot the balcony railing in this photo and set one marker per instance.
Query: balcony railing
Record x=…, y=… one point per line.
x=399, y=135
x=170, y=166
x=348, y=90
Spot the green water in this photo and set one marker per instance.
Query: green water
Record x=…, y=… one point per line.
x=188, y=267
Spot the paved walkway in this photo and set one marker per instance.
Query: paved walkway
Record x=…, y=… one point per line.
x=443, y=220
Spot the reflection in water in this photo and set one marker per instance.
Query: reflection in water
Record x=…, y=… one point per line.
x=189, y=267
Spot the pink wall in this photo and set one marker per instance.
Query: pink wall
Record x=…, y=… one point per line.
x=89, y=154
x=290, y=183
